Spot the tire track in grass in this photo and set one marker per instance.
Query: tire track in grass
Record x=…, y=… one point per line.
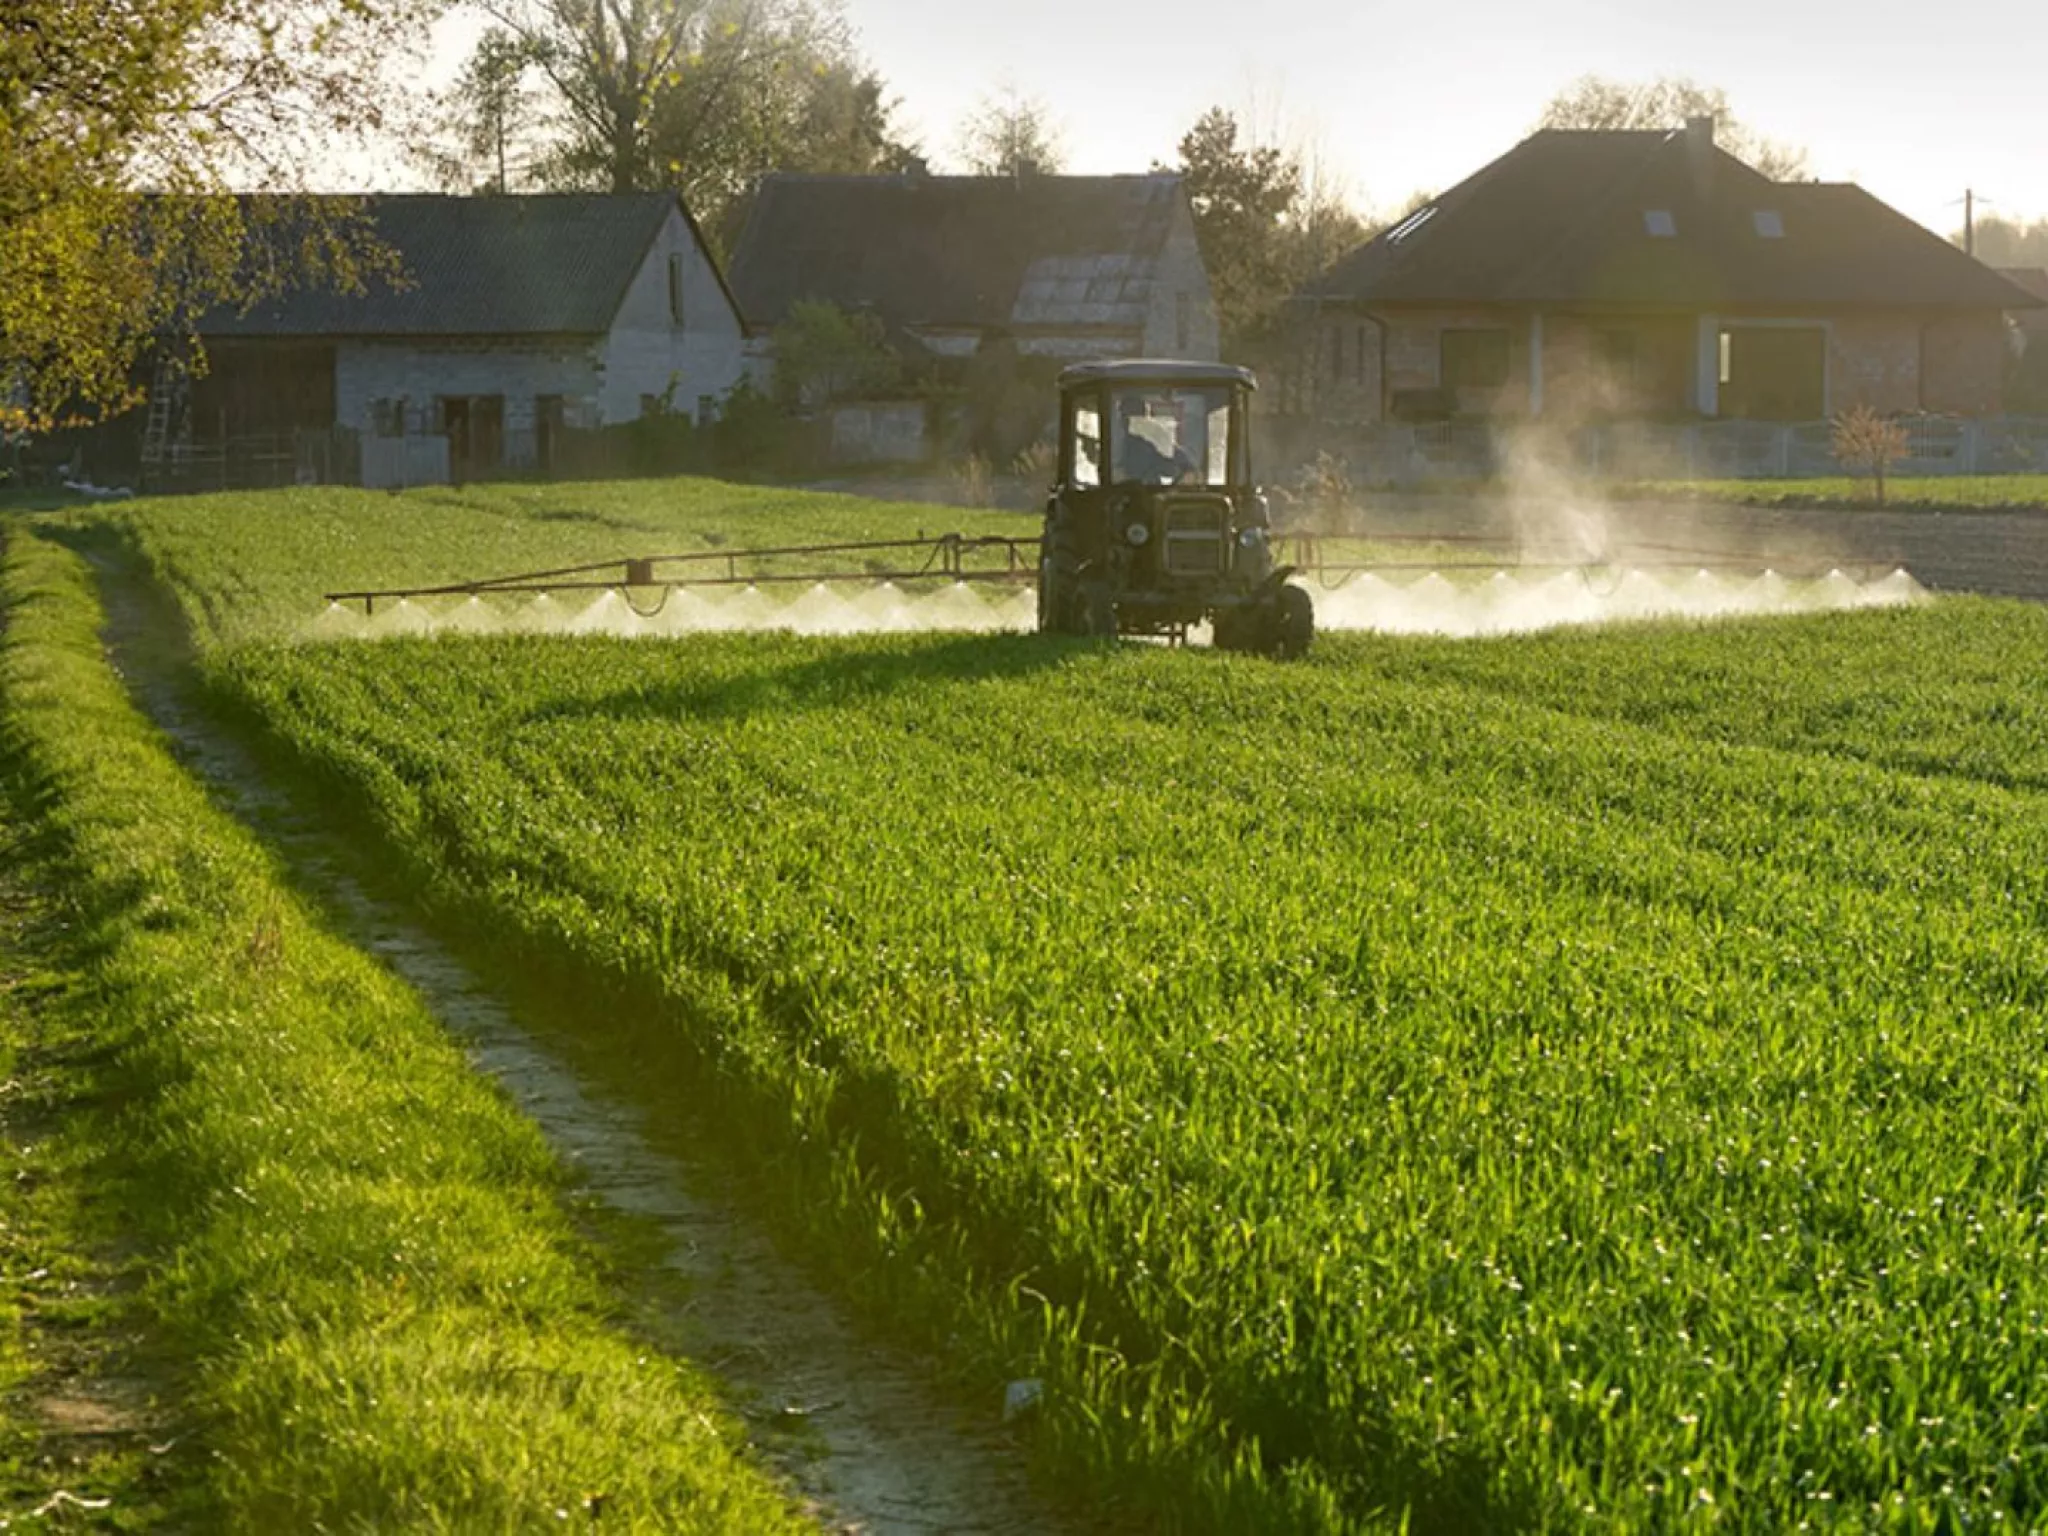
x=858, y=1427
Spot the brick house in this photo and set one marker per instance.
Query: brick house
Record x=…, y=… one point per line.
x=1590, y=275
x=516, y=317
x=1063, y=267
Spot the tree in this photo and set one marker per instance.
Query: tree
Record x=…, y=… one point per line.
x=2010, y=242
x=1010, y=134
x=824, y=353
x=1265, y=223
x=176, y=99
x=1593, y=101
x=1863, y=440
x=490, y=112
x=701, y=96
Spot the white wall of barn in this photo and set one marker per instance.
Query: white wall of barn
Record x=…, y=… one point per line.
x=1181, y=319
x=705, y=355
x=422, y=371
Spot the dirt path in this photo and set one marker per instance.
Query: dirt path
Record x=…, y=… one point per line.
x=860, y=1429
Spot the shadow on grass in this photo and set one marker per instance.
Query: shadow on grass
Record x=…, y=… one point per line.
x=839, y=677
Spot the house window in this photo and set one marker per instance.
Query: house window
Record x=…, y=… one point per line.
x=650, y=405
x=1769, y=225
x=707, y=410
x=675, y=288
x=1660, y=223
x=1474, y=359
x=1358, y=354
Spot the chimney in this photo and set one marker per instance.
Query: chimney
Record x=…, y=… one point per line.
x=1699, y=151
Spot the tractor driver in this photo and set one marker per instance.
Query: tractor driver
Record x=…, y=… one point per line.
x=1138, y=456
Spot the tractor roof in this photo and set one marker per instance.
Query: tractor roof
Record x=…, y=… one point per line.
x=1156, y=371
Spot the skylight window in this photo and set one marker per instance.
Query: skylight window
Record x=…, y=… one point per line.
x=1660, y=223
x=1769, y=226
x=1409, y=225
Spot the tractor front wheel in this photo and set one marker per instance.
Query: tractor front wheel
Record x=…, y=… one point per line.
x=1291, y=625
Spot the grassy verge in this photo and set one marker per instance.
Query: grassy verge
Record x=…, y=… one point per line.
x=355, y=1245
x=1928, y=493
x=81, y=1428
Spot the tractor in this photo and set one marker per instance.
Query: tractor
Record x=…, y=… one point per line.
x=1154, y=524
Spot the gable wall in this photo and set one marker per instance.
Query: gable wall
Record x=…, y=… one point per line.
x=705, y=355
x=1180, y=272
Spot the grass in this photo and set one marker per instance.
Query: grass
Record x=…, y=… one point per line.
x=254, y=564
x=1458, y=1101
x=357, y=1254
x=76, y=1415
x=1912, y=493
x=1593, y=1079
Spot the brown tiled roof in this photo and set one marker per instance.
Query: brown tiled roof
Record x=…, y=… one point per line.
x=554, y=264
x=958, y=251
x=1562, y=219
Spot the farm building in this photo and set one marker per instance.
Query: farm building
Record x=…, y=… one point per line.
x=517, y=318
x=1064, y=267
x=1633, y=275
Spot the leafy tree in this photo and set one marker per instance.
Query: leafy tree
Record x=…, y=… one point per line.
x=2010, y=242
x=702, y=96
x=824, y=353
x=490, y=112
x=1265, y=225
x=1010, y=134
x=1593, y=101
x=177, y=99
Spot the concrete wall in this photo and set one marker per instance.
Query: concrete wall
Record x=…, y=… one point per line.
x=880, y=432
x=705, y=354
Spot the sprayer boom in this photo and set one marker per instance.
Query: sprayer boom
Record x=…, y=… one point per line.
x=1326, y=557
x=947, y=557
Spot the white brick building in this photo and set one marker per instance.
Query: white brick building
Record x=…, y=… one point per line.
x=517, y=317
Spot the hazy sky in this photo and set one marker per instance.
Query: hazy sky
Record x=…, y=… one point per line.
x=1915, y=101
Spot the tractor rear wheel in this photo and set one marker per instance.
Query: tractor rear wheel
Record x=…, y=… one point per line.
x=1291, y=625
x=1059, y=580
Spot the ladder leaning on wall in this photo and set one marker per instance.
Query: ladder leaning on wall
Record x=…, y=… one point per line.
x=166, y=394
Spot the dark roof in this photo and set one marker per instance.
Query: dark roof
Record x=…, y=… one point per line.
x=2033, y=279
x=1561, y=219
x=969, y=251
x=1146, y=370
x=481, y=266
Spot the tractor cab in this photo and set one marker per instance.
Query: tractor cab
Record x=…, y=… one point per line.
x=1155, y=524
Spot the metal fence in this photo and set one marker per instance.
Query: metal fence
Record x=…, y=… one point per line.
x=1405, y=454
